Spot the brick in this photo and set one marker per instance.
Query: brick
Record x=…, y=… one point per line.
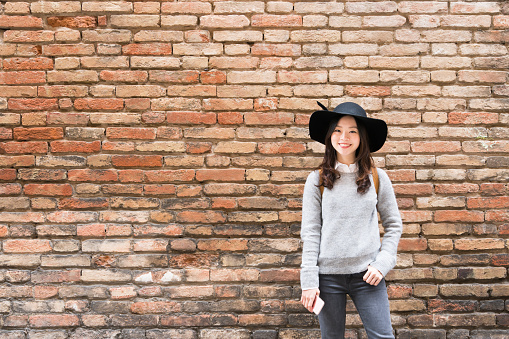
x=17, y=8
x=501, y=21
x=277, y=50
x=421, y=333
x=453, y=216
x=489, y=104
x=138, y=21
x=92, y=104
x=26, y=246
x=104, y=62
x=174, y=76
x=75, y=147
x=38, y=133
x=22, y=77
x=237, y=36
x=110, y=7
x=268, y=20
x=17, y=161
x=436, y=146
x=199, y=36
x=279, y=7
x=227, y=104
x=348, y=76
x=55, y=7
x=262, y=319
x=315, y=36
x=188, y=7
x=345, y=21
x=237, y=77
x=369, y=7
x=368, y=36
x=177, y=21
x=236, y=7
x=478, y=244
x=481, y=7
x=277, y=62
x=491, y=62
x=154, y=307
x=28, y=63
x=7, y=174
x=302, y=76
x=8, y=22
x=137, y=160
x=318, y=7
x=220, y=175
x=124, y=76
x=467, y=91
x=356, y=91
x=25, y=147
x=63, y=91
x=72, y=22
x=224, y=21
x=32, y=104
x=422, y=7
x=130, y=133
x=72, y=76
x=15, y=91
x=147, y=49
x=466, y=21
x=161, y=146
x=55, y=320
x=233, y=62
x=213, y=77
x=82, y=203
x=157, y=36
x=443, y=62
x=192, y=91
x=495, y=202
x=481, y=49
x=383, y=21
x=424, y=21
x=442, y=36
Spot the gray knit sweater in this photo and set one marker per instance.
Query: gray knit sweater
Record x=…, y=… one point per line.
x=340, y=230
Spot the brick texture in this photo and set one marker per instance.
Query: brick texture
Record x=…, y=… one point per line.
x=153, y=156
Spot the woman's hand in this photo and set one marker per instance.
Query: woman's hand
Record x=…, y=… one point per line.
x=372, y=276
x=308, y=298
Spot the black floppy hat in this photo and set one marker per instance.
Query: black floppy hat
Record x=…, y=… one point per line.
x=320, y=120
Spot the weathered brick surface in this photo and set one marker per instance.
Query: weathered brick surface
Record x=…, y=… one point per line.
x=153, y=156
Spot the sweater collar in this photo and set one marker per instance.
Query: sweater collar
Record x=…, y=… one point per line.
x=344, y=168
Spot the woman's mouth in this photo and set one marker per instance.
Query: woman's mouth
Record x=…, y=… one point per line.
x=344, y=145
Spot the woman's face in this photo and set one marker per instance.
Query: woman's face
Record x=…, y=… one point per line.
x=345, y=139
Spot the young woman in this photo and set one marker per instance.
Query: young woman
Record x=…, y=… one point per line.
x=342, y=253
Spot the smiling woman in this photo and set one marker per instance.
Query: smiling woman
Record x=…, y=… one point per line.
x=341, y=242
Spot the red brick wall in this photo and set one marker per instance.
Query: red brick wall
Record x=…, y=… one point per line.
x=153, y=156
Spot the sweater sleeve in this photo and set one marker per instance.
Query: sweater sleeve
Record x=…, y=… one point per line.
x=391, y=221
x=311, y=231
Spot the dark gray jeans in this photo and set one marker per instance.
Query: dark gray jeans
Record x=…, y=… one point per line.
x=371, y=302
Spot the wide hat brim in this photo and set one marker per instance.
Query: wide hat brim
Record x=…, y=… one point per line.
x=320, y=120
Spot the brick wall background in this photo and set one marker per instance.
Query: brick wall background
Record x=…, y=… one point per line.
x=153, y=157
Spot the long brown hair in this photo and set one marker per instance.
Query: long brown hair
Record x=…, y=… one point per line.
x=328, y=173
